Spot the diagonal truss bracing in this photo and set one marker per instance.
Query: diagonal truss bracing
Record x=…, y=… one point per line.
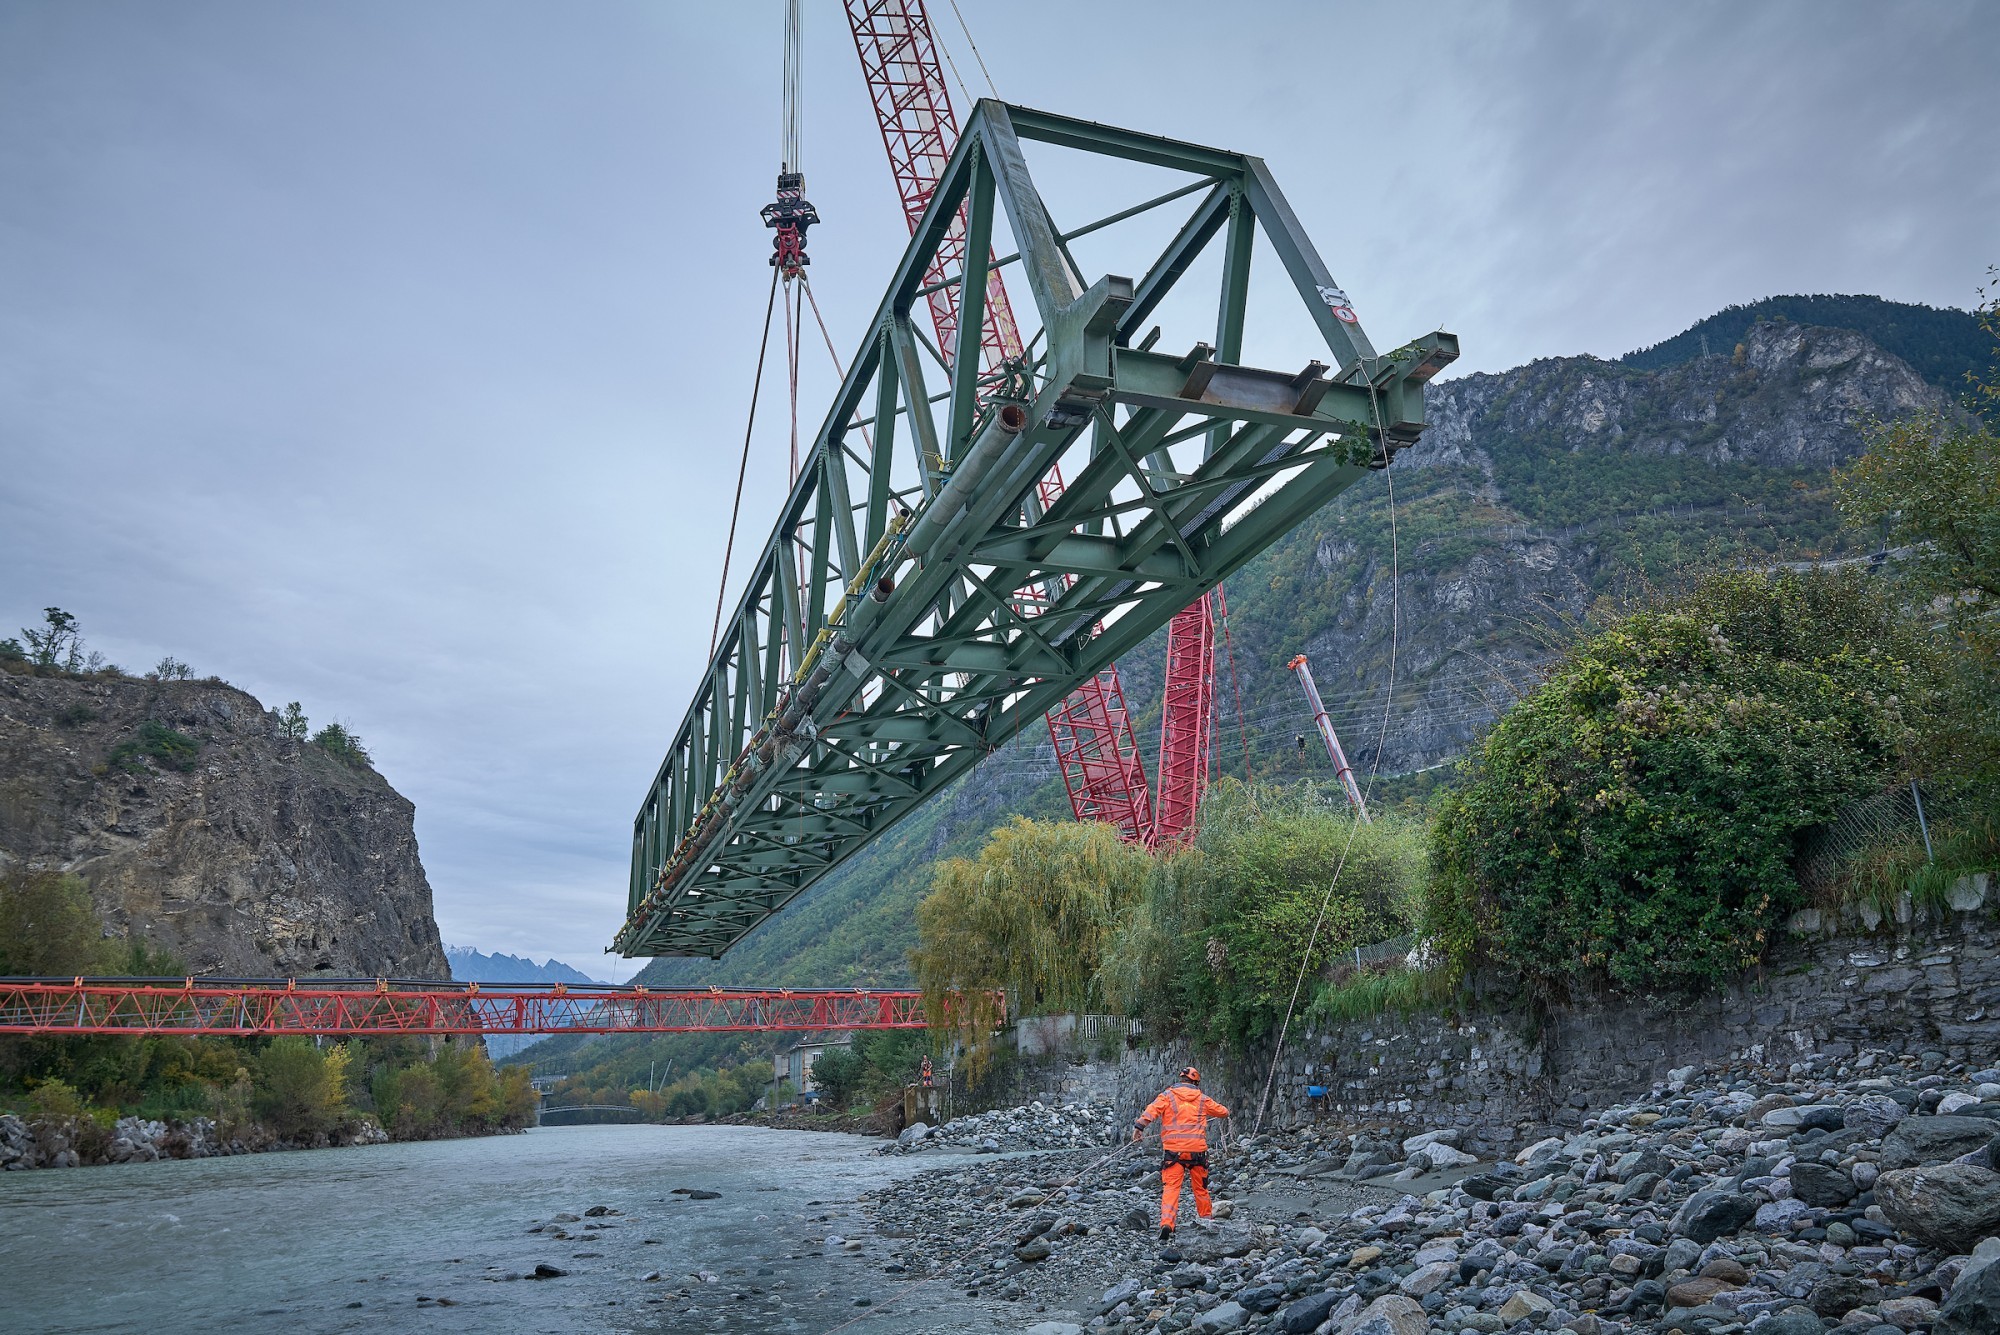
x=1090, y=731
x=374, y=1006
x=923, y=596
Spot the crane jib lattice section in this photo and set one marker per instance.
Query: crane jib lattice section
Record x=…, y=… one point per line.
x=97, y=1006
x=922, y=596
x=1090, y=731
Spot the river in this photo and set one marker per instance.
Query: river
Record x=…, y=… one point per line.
x=434, y=1237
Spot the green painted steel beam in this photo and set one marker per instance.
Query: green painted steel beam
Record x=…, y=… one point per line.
x=916, y=605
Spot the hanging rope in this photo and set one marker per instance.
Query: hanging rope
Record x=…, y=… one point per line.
x=975, y=49
x=792, y=370
x=839, y=368
x=736, y=506
x=1381, y=739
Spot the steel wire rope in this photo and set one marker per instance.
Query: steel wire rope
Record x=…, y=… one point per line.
x=743, y=466
x=1354, y=824
x=975, y=48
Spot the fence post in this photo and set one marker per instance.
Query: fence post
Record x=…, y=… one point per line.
x=1922, y=824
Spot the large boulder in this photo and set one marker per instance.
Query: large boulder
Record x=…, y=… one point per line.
x=1389, y=1315
x=1206, y=1246
x=1922, y=1140
x=1223, y=1317
x=1818, y=1185
x=1974, y=1305
x=1872, y=1114
x=1709, y=1215
x=1304, y=1316
x=1949, y=1206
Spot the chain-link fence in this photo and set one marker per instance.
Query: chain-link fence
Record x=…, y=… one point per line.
x=1911, y=838
x=1885, y=825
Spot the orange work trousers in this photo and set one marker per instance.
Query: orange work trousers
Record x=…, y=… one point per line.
x=1170, y=1189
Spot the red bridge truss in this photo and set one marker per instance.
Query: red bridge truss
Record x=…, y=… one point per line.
x=240, y=1007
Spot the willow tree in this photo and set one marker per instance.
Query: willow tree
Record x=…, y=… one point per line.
x=1029, y=917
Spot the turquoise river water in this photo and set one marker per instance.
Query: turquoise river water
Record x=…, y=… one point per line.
x=434, y=1237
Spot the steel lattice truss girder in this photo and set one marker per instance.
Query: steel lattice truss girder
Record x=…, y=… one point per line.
x=916, y=604
x=54, y=1006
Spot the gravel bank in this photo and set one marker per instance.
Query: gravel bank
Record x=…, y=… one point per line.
x=1855, y=1195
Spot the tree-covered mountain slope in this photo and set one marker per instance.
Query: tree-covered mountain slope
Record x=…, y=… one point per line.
x=1428, y=597
x=1941, y=345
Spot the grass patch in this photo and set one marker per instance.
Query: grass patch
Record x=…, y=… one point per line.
x=1370, y=992
x=1963, y=843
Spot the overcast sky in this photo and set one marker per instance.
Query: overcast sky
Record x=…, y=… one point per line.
x=393, y=357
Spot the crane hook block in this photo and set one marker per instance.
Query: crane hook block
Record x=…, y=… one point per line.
x=789, y=215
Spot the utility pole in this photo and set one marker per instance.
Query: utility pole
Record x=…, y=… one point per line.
x=1340, y=765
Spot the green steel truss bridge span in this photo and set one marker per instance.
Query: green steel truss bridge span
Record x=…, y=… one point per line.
x=931, y=584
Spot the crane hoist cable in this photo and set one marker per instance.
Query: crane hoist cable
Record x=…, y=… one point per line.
x=788, y=216
x=743, y=465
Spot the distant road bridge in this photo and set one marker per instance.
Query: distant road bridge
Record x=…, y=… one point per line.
x=250, y=1007
x=550, y=1110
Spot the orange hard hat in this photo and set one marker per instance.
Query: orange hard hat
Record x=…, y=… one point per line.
x=1191, y=1075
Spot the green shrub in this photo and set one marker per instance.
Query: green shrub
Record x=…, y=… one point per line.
x=76, y=716
x=55, y=1101
x=299, y=1093
x=837, y=1072
x=1633, y=821
x=338, y=742
x=1227, y=929
x=49, y=926
x=1031, y=915
x=158, y=743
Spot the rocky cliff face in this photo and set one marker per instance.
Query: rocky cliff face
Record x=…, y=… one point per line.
x=245, y=855
x=1534, y=493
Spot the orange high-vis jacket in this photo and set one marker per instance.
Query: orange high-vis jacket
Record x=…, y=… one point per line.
x=1182, y=1112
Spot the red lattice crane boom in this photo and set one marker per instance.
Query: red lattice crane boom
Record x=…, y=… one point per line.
x=1092, y=729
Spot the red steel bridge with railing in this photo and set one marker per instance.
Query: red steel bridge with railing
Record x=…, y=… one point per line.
x=225, y=1008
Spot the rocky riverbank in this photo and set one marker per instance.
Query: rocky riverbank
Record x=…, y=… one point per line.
x=1857, y=1194
x=82, y=1142
x=1035, y=1126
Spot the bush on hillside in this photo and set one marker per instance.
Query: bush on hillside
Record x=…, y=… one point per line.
x=340, y=743
x=1633, y=821
x=1227, y=929
x=838, y=1073
x=48, y=926
x=158, y=743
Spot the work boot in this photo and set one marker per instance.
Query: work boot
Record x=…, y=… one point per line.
x=1166, y=1231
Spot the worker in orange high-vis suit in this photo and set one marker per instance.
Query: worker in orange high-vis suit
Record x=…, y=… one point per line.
x=1182, y=1112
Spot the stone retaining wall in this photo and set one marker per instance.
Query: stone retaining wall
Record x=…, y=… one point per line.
x=1905, y=982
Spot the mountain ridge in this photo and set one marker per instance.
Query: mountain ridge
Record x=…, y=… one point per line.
x=1536, y=492
x=470, y=965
